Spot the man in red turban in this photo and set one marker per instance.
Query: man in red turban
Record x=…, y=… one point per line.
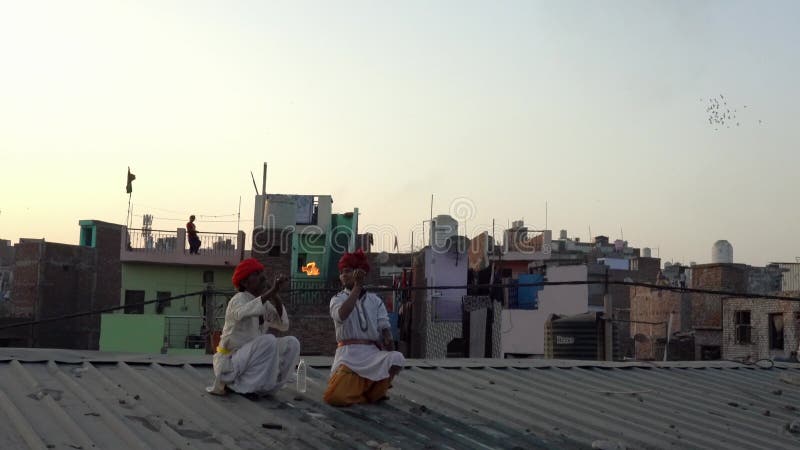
x=249, y=360
x=365, y=363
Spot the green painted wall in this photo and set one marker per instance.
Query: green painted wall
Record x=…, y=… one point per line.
x=316, y=250
x=137, y=333
x=177, y=280
x=342, y=232
x=186, y=351
x=184, y=314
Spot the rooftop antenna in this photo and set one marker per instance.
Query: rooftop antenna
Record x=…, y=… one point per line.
x=264, y=181
x=494, y=240
x=545, y=215
x=431, y=227
x=254, y=181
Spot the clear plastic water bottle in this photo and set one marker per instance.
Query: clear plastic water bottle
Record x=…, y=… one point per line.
x=301, y=376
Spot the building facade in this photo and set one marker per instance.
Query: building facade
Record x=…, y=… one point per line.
x=155, y=265
x=6, y=271
x=523, y=330
x=756, y=329
x=52, y=279
x=299, y=236
x=696, y=316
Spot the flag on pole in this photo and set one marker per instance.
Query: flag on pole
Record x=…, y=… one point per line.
x=131, y=177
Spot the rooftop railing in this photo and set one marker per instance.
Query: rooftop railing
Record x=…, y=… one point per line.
x=164, y=242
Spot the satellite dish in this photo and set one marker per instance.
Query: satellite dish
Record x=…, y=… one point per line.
x=383, y=257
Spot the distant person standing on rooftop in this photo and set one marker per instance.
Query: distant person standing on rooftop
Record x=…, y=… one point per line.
x=191, y=235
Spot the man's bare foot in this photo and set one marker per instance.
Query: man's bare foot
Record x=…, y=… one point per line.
x=218, y=388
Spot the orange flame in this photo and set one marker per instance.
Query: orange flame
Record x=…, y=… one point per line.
x=310, y=269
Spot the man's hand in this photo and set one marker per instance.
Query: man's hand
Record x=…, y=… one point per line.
x=280, y=280
x=388, y=340
x=358, y=277
x=272, y=291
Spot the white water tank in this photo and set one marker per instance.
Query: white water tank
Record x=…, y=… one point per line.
x=722, y=252
x=646, y=252
x=279, y=211
x=562, y=235
x=444, y=227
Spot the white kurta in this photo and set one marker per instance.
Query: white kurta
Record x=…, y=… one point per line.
x=367, y=321
x=257, y=362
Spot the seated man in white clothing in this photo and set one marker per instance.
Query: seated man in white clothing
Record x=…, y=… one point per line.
x=248, y=359
x=365, y=362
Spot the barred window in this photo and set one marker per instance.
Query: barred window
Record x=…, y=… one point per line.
x=742, y=320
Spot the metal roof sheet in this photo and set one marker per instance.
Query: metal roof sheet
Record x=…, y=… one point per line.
x=72, y=399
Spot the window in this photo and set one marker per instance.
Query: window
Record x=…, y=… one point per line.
x=208, y=276
x=87, y=236
x=742, y=321
x=776, y=331
x=132, y=298
x=710, y=353
x=163, y=301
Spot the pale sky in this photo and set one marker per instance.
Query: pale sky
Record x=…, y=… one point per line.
x=496, y=107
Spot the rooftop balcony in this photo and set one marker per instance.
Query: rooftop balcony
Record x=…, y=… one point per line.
x=171, y=247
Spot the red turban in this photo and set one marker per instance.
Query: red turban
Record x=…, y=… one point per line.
x=246, y=268
x=355, y=260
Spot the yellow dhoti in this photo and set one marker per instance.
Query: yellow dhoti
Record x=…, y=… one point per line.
x=346, y=387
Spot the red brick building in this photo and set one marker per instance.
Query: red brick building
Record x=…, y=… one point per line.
x=696, y=314
x=52, y=279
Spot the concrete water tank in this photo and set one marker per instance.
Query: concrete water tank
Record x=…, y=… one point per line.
x=722, y=252
x=646, y=252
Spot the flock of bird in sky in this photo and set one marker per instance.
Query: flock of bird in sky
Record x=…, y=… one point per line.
x=721, y=115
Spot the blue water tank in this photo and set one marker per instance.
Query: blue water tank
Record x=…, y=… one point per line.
x=528, y=296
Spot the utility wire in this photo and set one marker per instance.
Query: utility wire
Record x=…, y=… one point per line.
x=727, y=294
x=169, y=219
x=99, y=311
x=183, y=212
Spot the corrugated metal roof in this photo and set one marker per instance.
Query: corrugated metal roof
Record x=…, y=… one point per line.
x=69, y=399
x=791, y=278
